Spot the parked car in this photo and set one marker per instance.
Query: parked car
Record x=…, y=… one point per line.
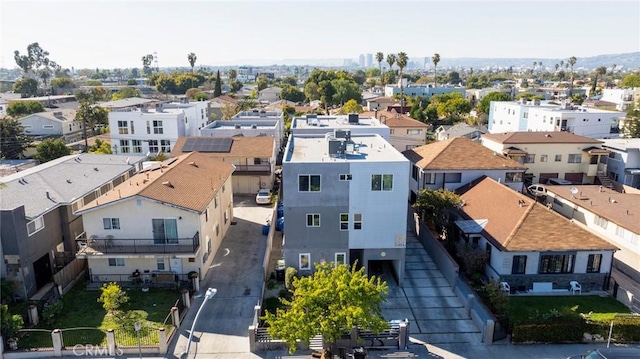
x=558, y=182
x=610, y=353
x=537, y=190
x=263, y=196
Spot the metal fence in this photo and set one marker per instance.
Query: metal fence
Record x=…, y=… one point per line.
x=83, y=336
x=34, y=339
x=129, y=337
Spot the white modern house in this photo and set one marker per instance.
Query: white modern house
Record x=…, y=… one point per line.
x=356, y=124
x=263, y=118
x=623, y=98
x=426, y=90
x=164, y=223
x=528, y=246
x=623, y=164
x=244, y=128
x=513, y=116
x=344, y=199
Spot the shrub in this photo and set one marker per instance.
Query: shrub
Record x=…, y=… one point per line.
x=289, y=275
x=561, y=330
x=271, y=284
x=50, y=312
x=625, y=329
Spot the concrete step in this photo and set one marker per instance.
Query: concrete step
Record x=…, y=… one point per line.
x=435, y=302
x=443, y=326
x=449, y=338
x=426, y=282
x=440, y=313
x=429, y=292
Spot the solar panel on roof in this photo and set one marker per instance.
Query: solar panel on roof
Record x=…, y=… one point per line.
x=207, y=144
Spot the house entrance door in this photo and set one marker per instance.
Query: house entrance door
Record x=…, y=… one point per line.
x=176, y=265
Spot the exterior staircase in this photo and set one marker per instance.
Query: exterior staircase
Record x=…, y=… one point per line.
x=605, y=181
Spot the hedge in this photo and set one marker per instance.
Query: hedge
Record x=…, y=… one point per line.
x=625, y=329
x=564, y=330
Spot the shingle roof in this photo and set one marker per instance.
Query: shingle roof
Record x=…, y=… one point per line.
x=65, y=179
x=190, y=182
x=67, y=115
x=538, y=137
x=462, y=129
x=515, y=222
x=395, y=120
x=383, y=99
x=242, y=147
x=458, y=153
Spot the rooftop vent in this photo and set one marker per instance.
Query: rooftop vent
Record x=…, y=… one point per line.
x=254, y=126
x=193, y=163
x=96, y=169
x=168, y=184
x=354, y=118
x=237, y=126
x=69, y=181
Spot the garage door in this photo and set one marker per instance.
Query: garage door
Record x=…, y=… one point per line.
x=574, y=177
x=545, y=176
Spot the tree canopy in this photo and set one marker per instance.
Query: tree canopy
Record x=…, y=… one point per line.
x=329, y=303
x=631, y=80
x=292, y=93
x=351, y=107
x=125, y=92
x=13, y=141
x=26, y=87
x=435, y=204
x=23, y=108
x=100, y=147
x=485, y=103
x=631, y=127
x=50, y=149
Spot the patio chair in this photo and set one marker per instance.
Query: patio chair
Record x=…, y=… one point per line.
x=575, y=287
x=505, y=287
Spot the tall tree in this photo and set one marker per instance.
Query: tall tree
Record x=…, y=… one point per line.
x=217, y=91
x=23, y=108
x=631, y=128
x=403, y=59
x=329, y=303
x=50, y=149
x=26, y=87
x=13, y=141
x=572, y=61
x=379, y=59
x=90, y=115
x=192, y=60
x=435, y=59
x=146, y=64
x=233, y=75
x=600, y=71
x=391, y=60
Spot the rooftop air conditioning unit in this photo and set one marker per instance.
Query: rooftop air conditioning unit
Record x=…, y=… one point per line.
x=254, y=126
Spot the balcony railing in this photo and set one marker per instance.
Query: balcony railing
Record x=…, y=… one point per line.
x=89, y=246
x=253, y=168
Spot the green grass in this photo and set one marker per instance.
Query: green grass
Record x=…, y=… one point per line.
x=522, y=309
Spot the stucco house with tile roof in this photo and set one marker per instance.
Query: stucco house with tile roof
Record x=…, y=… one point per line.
x=455, y=162
x=165, y=222
x=527, y=242
x=405, y=133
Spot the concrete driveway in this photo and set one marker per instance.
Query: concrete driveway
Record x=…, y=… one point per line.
x=222, y=328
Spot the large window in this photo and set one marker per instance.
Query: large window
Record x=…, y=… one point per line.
x=124, y=146
x=414, y=131
x=530, y=158
x=573, y=158
x=429, y=178
x=453, y=177
x=111, y=223
x=116, y=262
x=593, y=263
x=35, y=225
x=165, y=146
x=157, y=127
x=341, y=259
x=558, y=158
x=381, y=182
x=519, y=265
x=556, y=263
x=600, y=222
x=313, y=219
x=165, y=231
x=344, y=221
x=153, y=147
x=309, y=183
x=137, y=146
x=543, y=158
x=123, y=128
x=357, y=221
x=304, y=261
x=160, y=264
x=414, y=172
x=511, y=177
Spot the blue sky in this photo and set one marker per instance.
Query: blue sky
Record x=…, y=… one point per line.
x=117, y=33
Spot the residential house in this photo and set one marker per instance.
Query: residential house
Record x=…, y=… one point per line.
x=245, y=128
x=622, y=98
x=460, y=130
x=130, y=104
x=527, y=244
x=623, y=164
x=253, y=158
x=263, y=118
x=344, y=199
x=163, y=223
x=39, y=227
x=225, y=100
x=405, y=132
x=547, y=155
x=3, y=107
x=426, y=90
x=512, y=116
x=455, y=162
x=58, y=123
x=196, y=114
x=611, y=215
x=357, y=124
x=476, y=95
x=270, y=94
x=380, y=103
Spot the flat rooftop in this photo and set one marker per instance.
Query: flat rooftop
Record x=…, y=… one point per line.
x=242, y=125
x=340, y=122
x=315, y=148
x=622, y=144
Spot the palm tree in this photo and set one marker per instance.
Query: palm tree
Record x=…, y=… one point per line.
x=379, y=59
x=192, y=60
x=613, y=78
x=402, y=63
x=534, y=67
x=391, y=59
x=572, y=61
x=600, y=71
x=556, y=66
x=435, y=58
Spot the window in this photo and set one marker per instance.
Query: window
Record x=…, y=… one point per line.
x=453, y=177
x=313, y=220
x=116, y=262
x=215, y=201
x=601, y=222
x=557, y=202
x=217, y=229
x=124, y=146
x=558, y=158
x=511, y=177
x=165, y=146
x=414, y=172
x=148, y=128
x=153, y=146
x=206, y=215
x=309, y=183
x=157, y=128
x=133, y=130
x=627, y=235
x=160, y=264
x=224, y=187
x=226, y=217
x=543, y=158
x=557, y=263
x=35, y=225
x=136, y=146
x=429, y=178
x=123, y=128
x=257, y=161
x=346, y=177
x=304, y=261
x=111, y=223
x=165, y=231
x=344, y=221
x=519, y=265
x=487, y=248
x=529, y=158
x=573, y=158
x=357, y=221
x=593, y=263
x=414, y=131
x=48, y=127
x=341, y=258
x=381, y=182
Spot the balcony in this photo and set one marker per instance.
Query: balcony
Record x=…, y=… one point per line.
x=100, y=246
x=261, y=169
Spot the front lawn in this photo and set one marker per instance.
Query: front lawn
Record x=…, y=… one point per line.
x=526, y=308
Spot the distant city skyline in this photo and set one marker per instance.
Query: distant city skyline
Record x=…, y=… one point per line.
x=116, y=34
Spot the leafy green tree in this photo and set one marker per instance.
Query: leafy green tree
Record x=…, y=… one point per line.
x=132, y=82
x=435, y=205
x=292, y=93
x=600, y=71
x=90, y=115
x=146, y=64
x=262, y=82
x=192, y=60
x=217, y=91
x=9, y=324
x=327, y=91
x=478, y=81
x=23, y=108
x=435, y=59
x=359, y=77
x=485, y=103
x=112, y=297
x=352, y=106
x=631, y=80
x=93, y=83
x=26, y=87
x=631, y=128
x=63, y=83
x=201, y=96
x=100, y=147
x=402, y=61
x=379, y=59
x=529, y=96
x=345, y=89
x=233, y=74
x=13, y=141
x=329, y=303
x=228, y=111
x=125, y=92
x=454, y=108
x=236, y=86
x=50, y=149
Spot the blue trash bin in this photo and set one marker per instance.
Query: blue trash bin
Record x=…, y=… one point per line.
x=265, y=229
x=280, y=224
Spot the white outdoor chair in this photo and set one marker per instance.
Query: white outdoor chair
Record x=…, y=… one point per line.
x=505, y=287
x=575, y=287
